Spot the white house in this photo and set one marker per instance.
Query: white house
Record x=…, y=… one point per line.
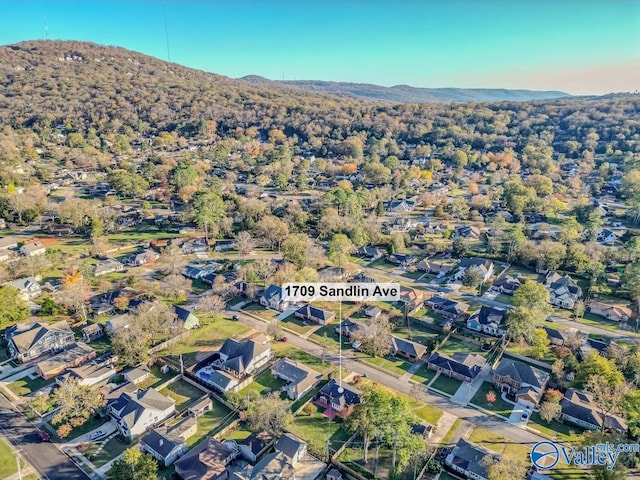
x=134, y=413
x=33, y=249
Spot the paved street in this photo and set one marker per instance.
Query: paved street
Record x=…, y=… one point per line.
x=50, y=462
x=476, y=417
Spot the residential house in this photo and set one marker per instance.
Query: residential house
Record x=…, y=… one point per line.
x=579, y=408
x=90, y=374
x=341, y=399
x=446, y=307
x=413, y=299
x=272, y=298
x=74, y=356
x=252, y=447
x=107, y=266
x=403, y=260
x=117, y=323
x=563, y=291
x=400, y=206
x=186, y=318
x=371, y=253
x=401, y=225
x=485, y=266
x=506, y=284
x=92, y=332
x=207, y=461
x=372, y=311
x=615, y=313
x=469, y=460
x=556, y=337
x=137, y=374
x=521, y=380
x=348, y=327
x=488, y=320
x=223, y=245
x=136, y=412
x=440, y=268
x=193, y=272
x=194, y=245
x=606, y=237
x=235, y=361
x=599, y=345
x=30, y=340
x=315, y=314
x=466, y=232
x=27, y=286
x=142, y=258
x=200, y=408
x=435, y=228
x=167, y=444
x=298, y=376
x=401, y=347
x=33, y=249
x=7, y=246
x=461, y=366
x=334, y=274
x=422, y=430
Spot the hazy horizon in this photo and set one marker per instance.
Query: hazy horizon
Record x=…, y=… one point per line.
x=581, y=48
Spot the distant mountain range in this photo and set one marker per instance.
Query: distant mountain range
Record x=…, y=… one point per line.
x=408, y=94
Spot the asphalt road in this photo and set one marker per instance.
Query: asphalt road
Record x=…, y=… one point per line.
x=48, y=461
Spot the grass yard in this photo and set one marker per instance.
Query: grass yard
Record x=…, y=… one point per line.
x=101, y=345
x=27, y=385
x=205, y=339
x=394, y=365
x=313, y=427
x=554, y=430
x=238, y=434
x=283, y=349
x=452, y=431
x=454, y=345
x=413, y=275
x=111, y=450
x=327, y=337
x=423, y=375
x=258, y=310
x=183, y=393
x=295, y=324
x=8, y=466
x=600, y=322
x=211, y=422
x=499, y=406
x=501, y=297
x=382, y=264
x=86, y=427
x=157, y=377
x=263, y=384
x=446, y=384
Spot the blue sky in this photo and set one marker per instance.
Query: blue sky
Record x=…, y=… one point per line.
x=582, y=47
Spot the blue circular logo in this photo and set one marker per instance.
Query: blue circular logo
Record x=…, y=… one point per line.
x=545, y=455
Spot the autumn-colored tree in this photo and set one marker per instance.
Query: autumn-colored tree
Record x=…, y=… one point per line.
x=72, y=276
x=491, y=397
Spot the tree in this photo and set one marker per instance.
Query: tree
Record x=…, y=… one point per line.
x=491, y=397
x=459, y=247
x=606, y=471
x=271, y=414
x=374, y=336
x=273, y=230
x=274, y=330
x=132, y=344
x=607, y=395
x=340, y=247
x=13, y=307
x=209, y=210
x=549, y=411
x=532, y=295
x=505, y=467
x=134, y=465
x=245, y=243
x=76, y=402
x=75, y=297
x=172, y=260
x=294, y=249
x=532, y=308
x=631, y=278
x=540, y=344
x=595, y=365
x=472, y=277
x=630, y=406
x=211, y=303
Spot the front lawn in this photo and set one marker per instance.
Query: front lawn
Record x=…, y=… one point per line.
x=258, y=310
x=499, y=406
x=499, y=444
x=114, y=447
x=446, y=384
x=394, y=365
x=423, y=375
x=8, y=466
x=27, y=385
x=295, y=324
x=382, y=264
x=327, y=337
x=183, y=393
x=554, y=430
x=86, y=427
x=283, y=349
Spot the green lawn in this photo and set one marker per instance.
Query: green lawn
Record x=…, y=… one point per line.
x=111, y=450
x=382, y=264
x=205, y=339
x=454, y=345
x=263, y=384
x=446, y=384
x=8, y=466
x=327, y=337
x=499, y=444
x=313, y=427
x=597, y=321
x=423, y=375
x=86, y=427
x=183, y=393
x=563, y=432
x=283, y=349
x=211, y=423
x=27, y=385
x=157, y=377
x=395, y=366
x=499, y=406
x=413, y=275
x=297, y=325
x=417, y=332
x=238, y=434
x=260, y=311
x=428, y=413
x=101, y=345
x=501, y=297
x=452, y=431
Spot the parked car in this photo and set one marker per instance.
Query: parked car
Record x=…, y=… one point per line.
x=43, y=436
x=236, y=318
x=525, y=414
x=97, y=435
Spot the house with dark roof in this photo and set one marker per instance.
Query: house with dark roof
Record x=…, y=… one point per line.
x=166, y=444
x=606, y=237
x=523, y=381
x=461, y=366
x=313, y=314
x=341, y=399
x=579, y=409
x=349, y=327
x=563, y=291
x=466, y=231
x=408, y=349
x=506, y=284
x=372, y=253
x=185, y=317
x=272, y=298
x=73, y=356
x=599, y=345
x=402, y=259
x=298, y=376
x=446, y=307
x=134, y=413
x=468, y=459
x=252, y=447
x=29, y=340
x=488, y=320
x=556, y=337
x=400, y=206
x=206, y=461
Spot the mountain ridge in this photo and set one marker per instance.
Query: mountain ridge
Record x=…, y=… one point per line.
x=410, y=94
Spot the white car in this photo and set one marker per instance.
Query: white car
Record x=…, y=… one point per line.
x=97, y=434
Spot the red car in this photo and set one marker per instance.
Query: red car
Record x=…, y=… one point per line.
x=43, y=436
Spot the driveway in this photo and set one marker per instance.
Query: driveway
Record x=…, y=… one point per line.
x=516, y=415
x=108, y=427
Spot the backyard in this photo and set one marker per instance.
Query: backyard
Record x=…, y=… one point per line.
x=312, y=426
x=183, y=393
x=157, y=377
x=455, y=345
x=263, y=384
x=211, y=422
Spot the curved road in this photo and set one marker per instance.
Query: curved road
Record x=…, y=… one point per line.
x=48, y=461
